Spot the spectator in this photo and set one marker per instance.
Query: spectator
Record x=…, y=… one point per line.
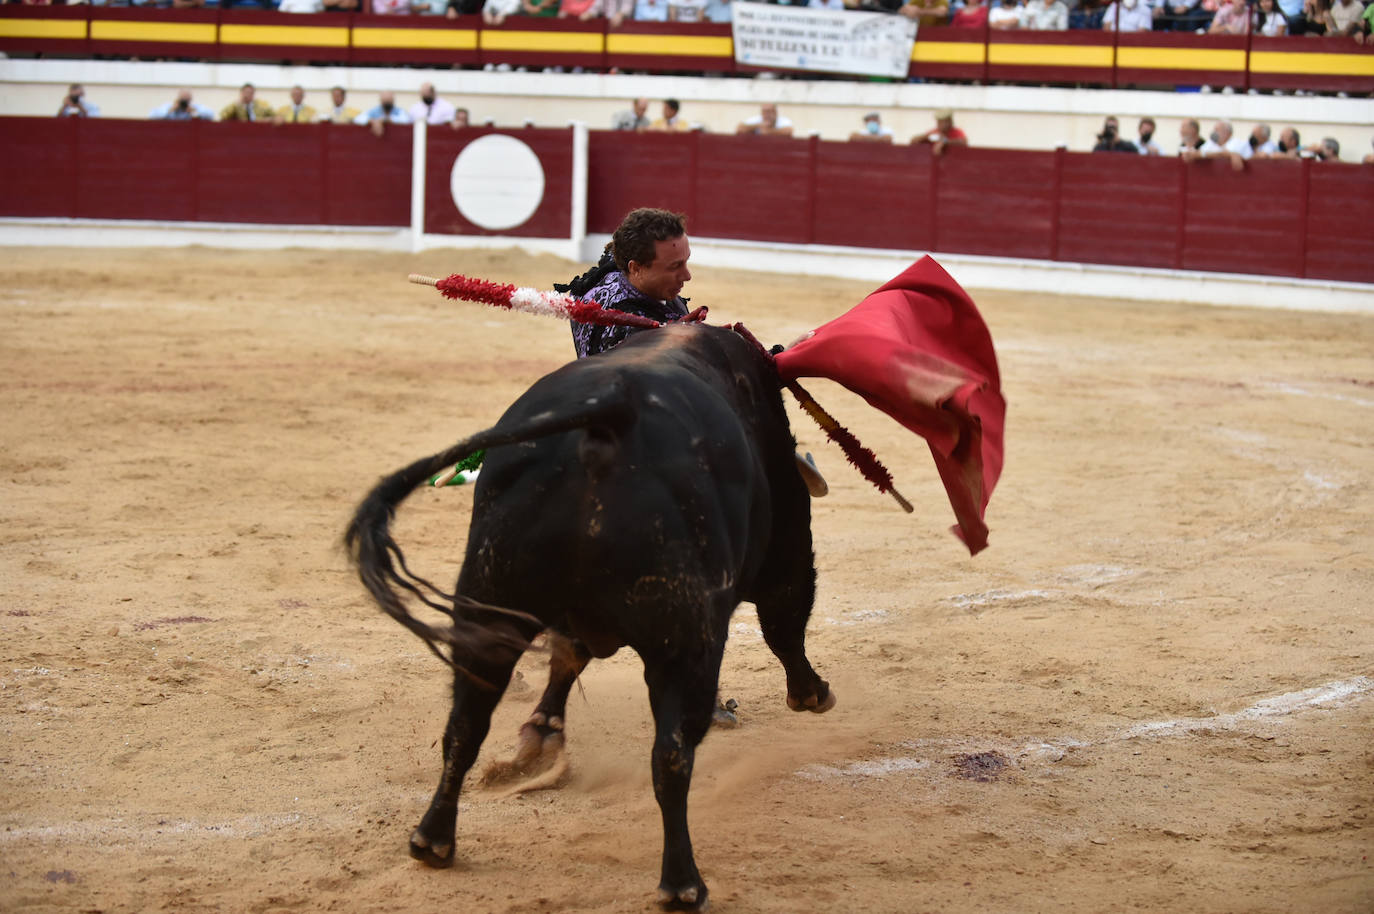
x=719, y=11
x=1145, y=143
x=494, y=12
x=581, y=10
x=1222, y=144
x=539, y=8
x=945, y=133
x=767, y=122
x=248, y=107
x=1344, y=18
x=617, y=11
x=1315, y=20
x=298, y=112
x=385, y=112
x=1004, y=16
x=974, y=15
x=1233, y=18
x=636, y=118
x=1270, y=20
x=1289, y=145
x=1086, y=14
x=1189, y=140
x=341, y=6
x=1292, y=13
x=183, y=109
x=1045, y=15
x=874, y=131
x=926, y=12
x=341, y=112
x=672, y=121
x=456, y=8
x=431, y=108
x=74, y=104
x=1329, y=150
x=398, y=7
x=461, y=118
x=686, y=10
x=1365, y=34
x=650, y=10
x=826, y=4
x=292, y=6
x=1260, y=144
x=1128, y=16
x=1110, y=139
x=1188, y=15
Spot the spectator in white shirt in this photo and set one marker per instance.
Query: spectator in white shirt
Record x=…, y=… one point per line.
x=1128, y=16
x=1045, y=15
x=431, y=108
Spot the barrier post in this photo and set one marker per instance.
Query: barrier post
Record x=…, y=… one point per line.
x=580, y=165
x=419, y=138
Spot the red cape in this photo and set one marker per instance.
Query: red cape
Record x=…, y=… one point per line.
x=918, y=350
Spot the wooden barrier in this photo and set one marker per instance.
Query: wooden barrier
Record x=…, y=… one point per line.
x=1273, y=217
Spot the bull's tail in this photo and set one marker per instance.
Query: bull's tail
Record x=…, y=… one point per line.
x=382, y=566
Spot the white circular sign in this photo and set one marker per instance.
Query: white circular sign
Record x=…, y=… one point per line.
x=497, y=182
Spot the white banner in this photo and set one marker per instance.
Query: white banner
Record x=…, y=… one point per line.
x=829, y=41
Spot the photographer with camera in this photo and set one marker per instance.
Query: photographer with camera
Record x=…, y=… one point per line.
x=1109, y=140
x=75, y=104
x=183, y=109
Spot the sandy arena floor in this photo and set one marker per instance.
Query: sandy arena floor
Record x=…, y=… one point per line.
x=1152, y=692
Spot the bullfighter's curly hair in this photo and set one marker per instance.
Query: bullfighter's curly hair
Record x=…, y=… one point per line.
x=638, y=232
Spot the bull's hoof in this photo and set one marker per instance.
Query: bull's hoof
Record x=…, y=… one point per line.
x=436, y=856
x=685, y=898
x=815, y=703
x=540, y=751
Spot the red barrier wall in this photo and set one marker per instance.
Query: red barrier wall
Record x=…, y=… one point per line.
x=190, y=171
x=1283, y=218
x=552, y=218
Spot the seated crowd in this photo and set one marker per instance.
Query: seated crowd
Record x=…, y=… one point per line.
x=1224, y=17
x=429, y=107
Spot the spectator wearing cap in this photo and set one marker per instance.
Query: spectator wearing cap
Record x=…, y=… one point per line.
x=944, y=135
x=873, y=132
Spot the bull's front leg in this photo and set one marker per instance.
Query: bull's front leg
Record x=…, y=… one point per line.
x=682, y=700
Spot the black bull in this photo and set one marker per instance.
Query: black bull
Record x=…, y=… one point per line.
x=634, y=498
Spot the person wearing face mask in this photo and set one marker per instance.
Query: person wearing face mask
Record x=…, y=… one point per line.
x=1288, y=146
x=430, y=108
x=385, y=112
x=873, y=132
x=1222, y=144
x=1261, y=146
x=1145, y=142
x=1110, y=139
x=1128, y=16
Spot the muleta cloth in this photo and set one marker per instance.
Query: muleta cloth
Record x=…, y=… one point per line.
x=918, y=350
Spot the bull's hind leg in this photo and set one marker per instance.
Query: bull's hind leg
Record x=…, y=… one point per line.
x=475, y=696
x=682, y=695
x=784, y=607
x=541, y=750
